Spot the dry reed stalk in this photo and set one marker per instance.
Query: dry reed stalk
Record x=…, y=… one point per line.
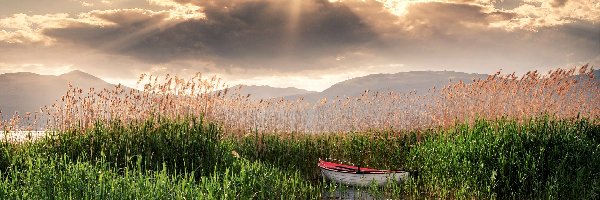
x=560, y=94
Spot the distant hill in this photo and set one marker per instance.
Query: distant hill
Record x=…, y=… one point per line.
x=267, y=92
x=420, y=81
x=27, y=92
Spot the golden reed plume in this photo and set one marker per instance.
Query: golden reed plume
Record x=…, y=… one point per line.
x=560, y=94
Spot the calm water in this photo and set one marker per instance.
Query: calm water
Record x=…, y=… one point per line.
x=348, y=193
x=20, y=136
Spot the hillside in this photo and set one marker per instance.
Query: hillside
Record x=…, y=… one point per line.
x=27, y=92
x=420, y=81
x=267, y=92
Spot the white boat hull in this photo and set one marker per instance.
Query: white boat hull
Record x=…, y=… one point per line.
x=363, y=179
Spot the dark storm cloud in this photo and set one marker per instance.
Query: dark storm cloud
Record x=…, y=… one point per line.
x=439, y=35
x=517, y=50
x=238, y=33
x=559, y=3
x=127, y=28
x=447, y=19
x=252, y=34
x=450, y=18
x=435, y=26
x=583, y=30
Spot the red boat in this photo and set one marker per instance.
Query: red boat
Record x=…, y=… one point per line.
x=359, y=176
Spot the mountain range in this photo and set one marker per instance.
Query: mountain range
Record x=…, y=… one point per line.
x=27, y=92
x=419, y=81
x=267, y=92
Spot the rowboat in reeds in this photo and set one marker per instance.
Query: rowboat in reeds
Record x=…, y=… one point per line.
x=359, y=176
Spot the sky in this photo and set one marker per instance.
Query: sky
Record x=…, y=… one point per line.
x=308, y=44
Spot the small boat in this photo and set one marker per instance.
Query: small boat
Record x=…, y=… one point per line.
x=359, y=176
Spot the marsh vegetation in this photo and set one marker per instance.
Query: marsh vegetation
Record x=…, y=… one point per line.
x=535, y=136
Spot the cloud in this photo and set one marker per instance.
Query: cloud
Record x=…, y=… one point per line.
x=29, y=29
x=244, y=33
x=129, y=17
x=534, y=14
x=251, y=38
x=558, y=3
x=450, y=18
x=180, y=10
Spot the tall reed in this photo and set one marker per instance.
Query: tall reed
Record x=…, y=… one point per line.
x=560, y=93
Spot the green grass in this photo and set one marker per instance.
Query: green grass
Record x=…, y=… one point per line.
x=301, y=152
x=536, y=160
x=48, y=178
x=170, y=160
x=541, y=158
x=192, y=159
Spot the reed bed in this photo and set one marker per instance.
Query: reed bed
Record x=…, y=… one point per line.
x=502, y=159
x=191, y=159
x=560, y=93
x=182, y=159
x=538, y=159
x=505, y=137
x=51, y=178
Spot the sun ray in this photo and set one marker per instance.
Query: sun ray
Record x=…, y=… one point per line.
x=176, y=15
x=293, y=26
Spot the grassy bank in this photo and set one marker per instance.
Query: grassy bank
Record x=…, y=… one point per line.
x=540, y=158
x=180, y=160
x=536, y=160
x=190, y=159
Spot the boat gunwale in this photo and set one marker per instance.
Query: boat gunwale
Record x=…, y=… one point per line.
x=370, y=171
